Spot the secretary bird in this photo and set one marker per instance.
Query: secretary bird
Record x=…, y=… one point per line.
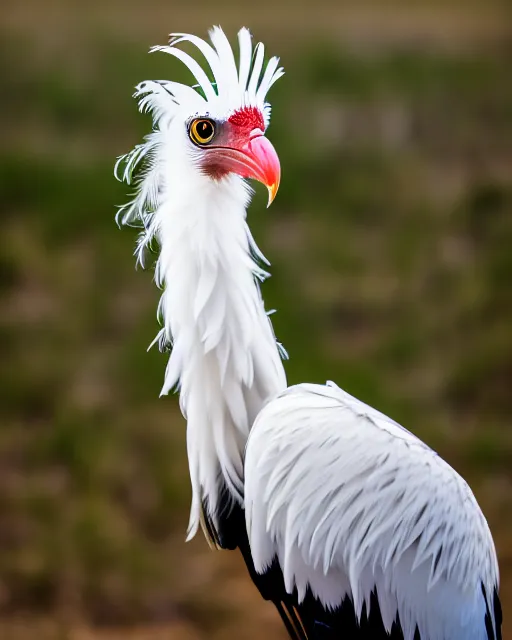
x=347, y=522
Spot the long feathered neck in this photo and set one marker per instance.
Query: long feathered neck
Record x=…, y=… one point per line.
x=224, y=355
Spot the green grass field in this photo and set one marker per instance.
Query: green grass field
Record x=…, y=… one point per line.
x=390, y=242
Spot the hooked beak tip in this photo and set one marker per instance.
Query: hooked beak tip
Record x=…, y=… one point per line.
x=272, y=191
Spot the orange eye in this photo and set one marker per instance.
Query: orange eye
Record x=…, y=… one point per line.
x=201, y=131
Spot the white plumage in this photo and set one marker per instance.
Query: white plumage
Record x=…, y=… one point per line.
x=353, y=507
x=350, y=501
x=224, y=355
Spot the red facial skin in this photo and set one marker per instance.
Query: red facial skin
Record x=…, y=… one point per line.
x=240, y=147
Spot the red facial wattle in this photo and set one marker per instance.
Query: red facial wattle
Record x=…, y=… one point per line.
x=243, y=149
x=247, y=118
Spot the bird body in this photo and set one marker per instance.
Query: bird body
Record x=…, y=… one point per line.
x=352, y=526
x=351, y=503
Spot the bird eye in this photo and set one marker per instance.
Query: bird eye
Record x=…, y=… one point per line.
x=201, y=131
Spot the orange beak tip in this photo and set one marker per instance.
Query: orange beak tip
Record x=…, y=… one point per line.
x=272, y=191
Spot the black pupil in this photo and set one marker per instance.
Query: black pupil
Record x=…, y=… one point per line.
x=204, y=129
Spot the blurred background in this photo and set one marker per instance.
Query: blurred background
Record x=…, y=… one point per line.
x=390, y=242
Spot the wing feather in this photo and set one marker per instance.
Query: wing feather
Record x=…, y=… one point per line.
x=334, y=487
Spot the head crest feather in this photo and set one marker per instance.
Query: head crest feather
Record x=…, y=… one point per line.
x=232, y=88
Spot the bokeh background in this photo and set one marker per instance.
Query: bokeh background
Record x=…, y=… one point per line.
x=391, y=249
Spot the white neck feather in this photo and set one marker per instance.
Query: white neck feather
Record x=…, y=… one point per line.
x=224, y=355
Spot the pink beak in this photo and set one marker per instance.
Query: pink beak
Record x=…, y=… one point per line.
x=256, y=159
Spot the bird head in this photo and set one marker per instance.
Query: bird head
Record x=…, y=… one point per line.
x=236, y=144
x=208, y=131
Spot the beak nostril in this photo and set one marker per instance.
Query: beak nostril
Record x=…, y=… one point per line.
x=256, y=133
